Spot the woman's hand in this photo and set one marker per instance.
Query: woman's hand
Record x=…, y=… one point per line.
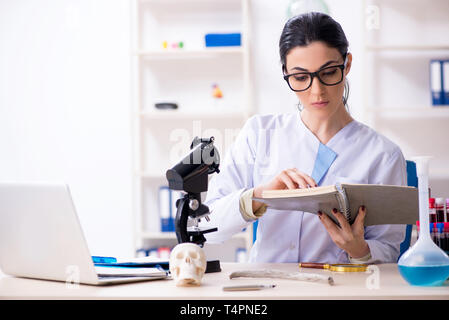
x=287, y=179
x=350, y=238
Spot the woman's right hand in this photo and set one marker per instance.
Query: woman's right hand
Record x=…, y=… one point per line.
x=287, y=179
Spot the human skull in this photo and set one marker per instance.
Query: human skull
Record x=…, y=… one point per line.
x=187, y=264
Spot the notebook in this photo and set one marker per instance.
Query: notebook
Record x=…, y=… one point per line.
x=385, y=204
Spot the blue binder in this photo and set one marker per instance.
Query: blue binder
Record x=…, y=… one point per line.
x=436, y=82
x=165, y=208
x=174, y=196
x=445, y=81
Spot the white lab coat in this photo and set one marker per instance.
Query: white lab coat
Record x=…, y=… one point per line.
x=268, y=144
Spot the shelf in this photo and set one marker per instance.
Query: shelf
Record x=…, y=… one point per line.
x=439, y=174
x=158, y=235
x=184, y=76
x=171, y=2
x=184, y=54
x=407, y=47
x=172, y=235
x=173, y=115
x=152, y=176
x=202, y=4
x=424, y=112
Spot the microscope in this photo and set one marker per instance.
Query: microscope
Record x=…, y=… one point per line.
x=191, y=176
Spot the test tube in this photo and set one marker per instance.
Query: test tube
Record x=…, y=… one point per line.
x=446, y=235
x=433, y=232
x=437, y=235
x=443, y=237
x=447, y=211
x=440, y=235
x=432, y=211
x=417, y=229
x=439, y=208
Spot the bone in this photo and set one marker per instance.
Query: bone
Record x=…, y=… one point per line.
x=187, y=264
x=267, y=273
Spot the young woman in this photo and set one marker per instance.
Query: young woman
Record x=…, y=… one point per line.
x=321, y=144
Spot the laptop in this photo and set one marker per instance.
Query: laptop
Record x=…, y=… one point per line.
x=41, y=237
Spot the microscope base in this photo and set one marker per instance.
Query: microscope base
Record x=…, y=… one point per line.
x=213, y=266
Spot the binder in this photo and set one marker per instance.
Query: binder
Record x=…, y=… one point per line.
x=445, y=80
x=436, y=82
x=164, y=208
x=164, y=252
x=141, y=253
x=240, y=255
x=175, y=195
x=152, y=252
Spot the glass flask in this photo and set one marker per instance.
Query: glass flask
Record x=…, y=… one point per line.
x=424, y=264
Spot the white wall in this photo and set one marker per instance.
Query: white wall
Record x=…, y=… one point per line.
x=65, y=98
x=64, y=107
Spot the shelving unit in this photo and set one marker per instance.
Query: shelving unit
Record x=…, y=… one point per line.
x=406, y=47
x=413, y=111
x=183, y=76
x=210, y=53
x=397, y=98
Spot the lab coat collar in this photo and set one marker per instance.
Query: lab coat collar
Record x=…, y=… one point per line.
x=325, y=155
x=324, y=159
x=334, y=140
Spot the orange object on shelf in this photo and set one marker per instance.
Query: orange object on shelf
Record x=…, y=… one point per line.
x=217, y=93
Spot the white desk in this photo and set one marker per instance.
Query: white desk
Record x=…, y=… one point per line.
x=347, y=286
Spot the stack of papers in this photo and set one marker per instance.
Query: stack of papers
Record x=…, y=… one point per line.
x=141, y=267
x=130, y=272
x=143, y=262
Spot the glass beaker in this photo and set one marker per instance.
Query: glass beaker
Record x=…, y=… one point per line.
x=424, y=264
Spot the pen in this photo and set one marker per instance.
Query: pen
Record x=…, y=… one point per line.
x=248, y=287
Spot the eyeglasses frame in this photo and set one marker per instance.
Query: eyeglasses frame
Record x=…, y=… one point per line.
x=315, y=74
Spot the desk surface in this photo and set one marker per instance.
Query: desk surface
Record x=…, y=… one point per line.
x=347, y=286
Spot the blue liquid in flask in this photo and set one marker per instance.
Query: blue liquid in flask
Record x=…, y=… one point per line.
x=424, y=264
x=424, y=275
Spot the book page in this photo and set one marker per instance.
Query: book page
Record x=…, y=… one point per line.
x=306, y=201
x=287, y=193
x=384, y=204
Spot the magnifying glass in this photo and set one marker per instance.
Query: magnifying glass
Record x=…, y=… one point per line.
x=339, y=267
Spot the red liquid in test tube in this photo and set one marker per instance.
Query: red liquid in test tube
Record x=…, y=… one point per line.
x=439, y=208
x=432, y=211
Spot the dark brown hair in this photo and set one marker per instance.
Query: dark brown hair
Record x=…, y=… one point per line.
x=306, y=28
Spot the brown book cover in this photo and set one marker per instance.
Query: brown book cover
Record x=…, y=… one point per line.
x=385, y=204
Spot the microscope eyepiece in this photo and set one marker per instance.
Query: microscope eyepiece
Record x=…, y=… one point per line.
x=190, y=174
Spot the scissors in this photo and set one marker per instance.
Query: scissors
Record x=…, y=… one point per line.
x=339, y=267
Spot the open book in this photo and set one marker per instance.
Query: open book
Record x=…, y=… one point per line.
x=384, y=204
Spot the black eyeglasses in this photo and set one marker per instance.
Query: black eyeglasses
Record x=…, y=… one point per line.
x=329, y=76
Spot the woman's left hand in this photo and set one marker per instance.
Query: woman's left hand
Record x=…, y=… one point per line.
x=350, y=238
